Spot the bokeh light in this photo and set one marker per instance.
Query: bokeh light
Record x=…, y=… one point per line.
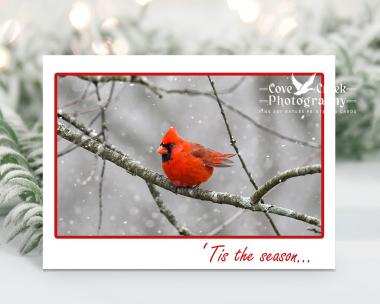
x=143, y=2
x=120, y=46
x=5, y=58
x=99, y=48
x=9, y=31
x=80, y=15
x=248, y=10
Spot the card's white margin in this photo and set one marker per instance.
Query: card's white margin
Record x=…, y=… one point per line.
x=183, y=253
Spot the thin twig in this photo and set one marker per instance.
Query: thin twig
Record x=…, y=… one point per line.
x=73, y=147
x=104, y=139
x=233, y=87
x=310, y=158
x=68, y=150
x=315, y=230
x=120, y=159
x=232, y=139
x=75, y=101
x=92, y=173
x=125, y=78
x=233, y=144
x=71, y=119
x=100, y=216
x=191, y=92
x=272, y=223
x=182, y=230
x=304, y=143
x=282, y=177
x=103, y=107
x=155, y=193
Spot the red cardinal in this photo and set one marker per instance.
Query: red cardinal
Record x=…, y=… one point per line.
x=189, y=164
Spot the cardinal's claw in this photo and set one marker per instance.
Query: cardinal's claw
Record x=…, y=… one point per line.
x=176, y=188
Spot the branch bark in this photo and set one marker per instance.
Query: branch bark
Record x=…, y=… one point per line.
x=114, y=155
x=234, y=145
x=182, y=230
x=282, y=177
x=102, y=108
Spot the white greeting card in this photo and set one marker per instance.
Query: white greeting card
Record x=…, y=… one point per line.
x=189, y=162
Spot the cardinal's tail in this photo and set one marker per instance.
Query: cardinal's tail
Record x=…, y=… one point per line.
x=223, y=161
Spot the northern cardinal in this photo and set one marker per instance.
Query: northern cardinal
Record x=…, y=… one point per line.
x=189, y=164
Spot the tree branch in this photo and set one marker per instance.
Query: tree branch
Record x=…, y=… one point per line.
x=125, y=78
x=103, y=107
x=100, y=215
x=182, y=230
x=315, y=230
x=77, y=124
x=234, y=145
x=75, y=101
x=282, y=177
x=232, y=139
x=154, y=192
x=102, y=139
x=114, y=155
x=70, y=119
x=191, y=92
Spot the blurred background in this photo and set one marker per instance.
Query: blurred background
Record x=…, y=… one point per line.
x=348, y=29
x=137, y=119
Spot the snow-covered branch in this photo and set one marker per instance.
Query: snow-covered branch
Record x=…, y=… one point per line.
x=114, y=155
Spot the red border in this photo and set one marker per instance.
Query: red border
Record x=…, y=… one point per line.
x=56, y=75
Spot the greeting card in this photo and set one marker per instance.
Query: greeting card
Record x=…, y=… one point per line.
x=189, y=162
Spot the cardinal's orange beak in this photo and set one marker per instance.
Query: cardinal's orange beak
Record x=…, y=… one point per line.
x=161, y=150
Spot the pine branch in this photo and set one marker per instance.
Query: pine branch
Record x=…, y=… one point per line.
x=120, y=159
x=21, y=181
